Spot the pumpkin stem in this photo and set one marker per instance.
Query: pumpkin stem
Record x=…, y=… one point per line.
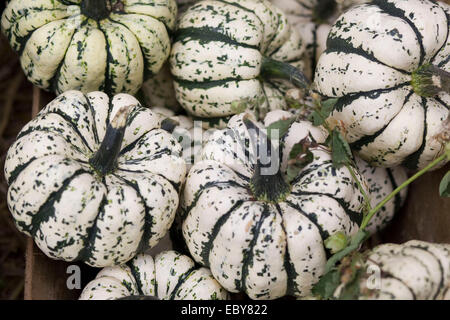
x=104, y=161
x=267, y=183
x=273, y=69
x=429, y=81
x=96, y=9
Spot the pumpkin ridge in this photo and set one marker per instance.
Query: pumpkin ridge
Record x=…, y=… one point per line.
x=365, y=140
x=444, y=44
x=412, y=161
x=175, y=185
x=248, y=254
x=372, y=94
x=208, y=185
x=55, y=78
x=392, y=10
x=323, y=233
x=208, y=34
x=441, y=268
x=337, y=44
x=133, y=144
x=21, y=41
x=18, y=169
x=207, y=84
x=86, y=253
x=288, y=265
x=47, y=210
x=94, y=123
x=136, y=275
x=108, y=82
x=181, y=280
x=147, y=73
x=354, y=216
x=148, y=219
x=420, y=262
x=206, y=249
x=313, y=168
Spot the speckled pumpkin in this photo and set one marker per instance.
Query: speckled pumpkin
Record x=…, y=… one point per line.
x=380, y=181
x=415, y=270
x=388, y=63
x=313, y=20
x=254, y=230
x=227, y=52
x=88, y=45
x=94, y=179
x=169, y=276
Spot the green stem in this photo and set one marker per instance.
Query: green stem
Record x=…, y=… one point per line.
x=266, y=186
x=369, y=216
x=360, y=187
x=104, y=161
x=362, y=234
x=96, y=9
x=273, y=69
x=429, y=81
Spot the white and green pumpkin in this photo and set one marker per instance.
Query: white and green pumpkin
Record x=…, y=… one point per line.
x=313, y=20
x=380, y=181
x=227, y=52
x=168, y=276
x=89, y=45
x=415, y=270
x=388, y=63
x=94, y=179
x=257, y=232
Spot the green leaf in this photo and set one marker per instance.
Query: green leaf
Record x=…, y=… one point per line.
x=323, y=111
x=328, y=106
x=327, y=284
x=281, y=126
x=444, y=187
x=336, y=242
x=340, y=149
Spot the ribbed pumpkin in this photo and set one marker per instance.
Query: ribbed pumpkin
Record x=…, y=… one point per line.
x=415, y=270
x=88, y=45
x=226, y=52
x=380, y=181
x=168, y=276
x=388, y=63
x=313, y=20
x=254, y=230
x=94, y=179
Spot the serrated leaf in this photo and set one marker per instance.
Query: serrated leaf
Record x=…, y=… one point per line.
x=340, y=150
x=327, y=284
x=444, y=186
x=336, y=242
x=316, y=118
x=281, y=126
x=328, y=106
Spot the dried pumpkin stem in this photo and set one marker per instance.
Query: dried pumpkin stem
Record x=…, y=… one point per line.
x=104, y=161
x=96, y=9
x=266, y=187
